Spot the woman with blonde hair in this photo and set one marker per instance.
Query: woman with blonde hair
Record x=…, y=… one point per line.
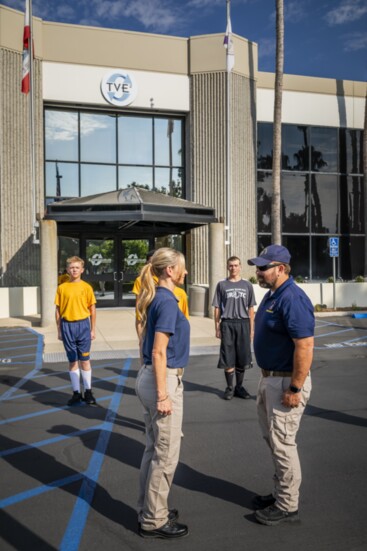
x=166, y=342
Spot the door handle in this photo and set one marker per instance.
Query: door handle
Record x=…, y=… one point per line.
x=114, y=276
x=121, y=276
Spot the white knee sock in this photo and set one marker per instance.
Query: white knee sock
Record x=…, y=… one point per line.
x=75, y=379
x=87, y=379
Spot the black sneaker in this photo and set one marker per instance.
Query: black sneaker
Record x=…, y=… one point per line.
x=260, y=502
x=272, y=516
x=170, y=530
x=228, y=393
x=241, y=392
x=89, y=399
x=76, y=399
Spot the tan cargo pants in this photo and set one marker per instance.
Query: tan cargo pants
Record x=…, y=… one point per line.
x=163, y=441
x=279, y=426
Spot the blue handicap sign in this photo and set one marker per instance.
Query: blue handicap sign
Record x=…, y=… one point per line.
x=334, y=246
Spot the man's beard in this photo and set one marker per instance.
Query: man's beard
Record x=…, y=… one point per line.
x=264, y=284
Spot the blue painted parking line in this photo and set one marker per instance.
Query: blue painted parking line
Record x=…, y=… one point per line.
x=48, y=441
x=78, y=519
x=45, y=412
x=57, y=388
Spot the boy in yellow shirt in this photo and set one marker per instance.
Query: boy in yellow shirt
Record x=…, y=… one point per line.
x=76, y=322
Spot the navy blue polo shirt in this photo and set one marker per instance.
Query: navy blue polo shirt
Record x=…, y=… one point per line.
x=285, y=315
x=164, y=316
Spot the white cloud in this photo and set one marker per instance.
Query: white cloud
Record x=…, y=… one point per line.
x=346, y=12
x=355, y=41
x=266, y=47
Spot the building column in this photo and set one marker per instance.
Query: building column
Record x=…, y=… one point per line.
x=217, y=264
x=48, y=235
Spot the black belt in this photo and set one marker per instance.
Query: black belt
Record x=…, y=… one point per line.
x=267, y=373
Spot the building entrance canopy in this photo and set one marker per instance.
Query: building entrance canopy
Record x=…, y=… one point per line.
x=134, y=210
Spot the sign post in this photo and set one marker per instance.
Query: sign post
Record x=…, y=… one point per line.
x=334, y=253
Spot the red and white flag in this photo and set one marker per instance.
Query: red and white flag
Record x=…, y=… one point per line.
x=26, y=77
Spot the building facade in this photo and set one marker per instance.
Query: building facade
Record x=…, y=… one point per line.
x=114, y=110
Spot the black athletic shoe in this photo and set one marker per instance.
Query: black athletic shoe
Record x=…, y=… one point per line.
x=260, y=502
x=241, y=392
x=228, y=393
x=172, y=516
x=272, y=516
x=76, y=399
x=89, y=399
x=170, y=530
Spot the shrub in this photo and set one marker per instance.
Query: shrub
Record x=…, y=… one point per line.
x=359, y=279
x=330, y=279
x=299, y=279
x=253, y=279
x=320, y=307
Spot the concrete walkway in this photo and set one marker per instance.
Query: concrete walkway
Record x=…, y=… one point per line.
x=115, y=335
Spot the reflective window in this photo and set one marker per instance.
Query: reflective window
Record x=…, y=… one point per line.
x=324, y=203
x=135, y=140
x=97, y=179
x=322, y=263
x=351, y=151
x=68, y=246
x=173, y=241
x=352, y=205
x=168, y=142
x=61, y=135
x=299, y=247
x=136, y=176
x=324, y=149
x=264, y=195
x=97, y=138
x=62, y=179
x=169, y=181
x=265, y=146
x=295, y=208
x=295, y=147
x=352, y=257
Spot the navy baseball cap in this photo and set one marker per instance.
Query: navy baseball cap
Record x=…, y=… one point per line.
x=273, y=253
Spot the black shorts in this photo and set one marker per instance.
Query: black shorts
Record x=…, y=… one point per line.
x=235, y=345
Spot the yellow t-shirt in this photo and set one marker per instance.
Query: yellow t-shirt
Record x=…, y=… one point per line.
x=74, y=300
x=63, y=278
x=178, y=292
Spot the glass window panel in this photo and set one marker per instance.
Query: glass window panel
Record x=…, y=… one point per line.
x=322, y=264
x=97, y=179
x=352, y=257
x=174, y=241
x=135, y=140
x=352, y=204
x=97, y=138
x=68, y=246
x=61, y=135
x=299, y=247
x=264, y=195
x=135, y=176
x=264, y=145
x=324, y=148
x=324, y=203
x=295, y=147
x=295, y=211
x=62, y=180
x=354, y=151
x=169, y=181
x=168, y=142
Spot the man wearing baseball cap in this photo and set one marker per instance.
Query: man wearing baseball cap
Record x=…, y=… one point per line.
x=283, y=346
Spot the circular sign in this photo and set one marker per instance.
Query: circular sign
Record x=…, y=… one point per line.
x=119, y=88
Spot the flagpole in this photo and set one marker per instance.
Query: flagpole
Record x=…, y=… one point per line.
x=35, y=224
x=229, y=62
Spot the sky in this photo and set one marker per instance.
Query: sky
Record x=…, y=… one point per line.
x=323, y=38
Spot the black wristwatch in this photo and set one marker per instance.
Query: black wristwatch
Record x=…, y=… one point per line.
x=294, y=389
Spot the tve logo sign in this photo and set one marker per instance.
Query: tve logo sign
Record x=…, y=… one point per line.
x=119, y=88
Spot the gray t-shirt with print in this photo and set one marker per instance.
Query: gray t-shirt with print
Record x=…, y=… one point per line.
x=234, y=298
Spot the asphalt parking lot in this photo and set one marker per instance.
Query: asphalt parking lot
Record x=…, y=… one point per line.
x=70, y=475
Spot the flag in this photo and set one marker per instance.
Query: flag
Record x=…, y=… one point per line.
x=26, y=80
x=228, y=43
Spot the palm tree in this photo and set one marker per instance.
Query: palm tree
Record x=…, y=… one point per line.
x=276, y=230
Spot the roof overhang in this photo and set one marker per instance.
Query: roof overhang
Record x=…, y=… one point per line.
x=136, y=208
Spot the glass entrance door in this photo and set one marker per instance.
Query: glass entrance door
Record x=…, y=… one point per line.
x=111, y=266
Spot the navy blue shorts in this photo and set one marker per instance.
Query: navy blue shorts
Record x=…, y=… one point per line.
x=76, y=339
x=235, y=345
